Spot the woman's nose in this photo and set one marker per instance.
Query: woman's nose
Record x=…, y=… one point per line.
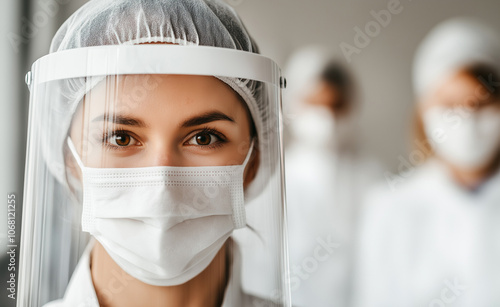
x=163, y=154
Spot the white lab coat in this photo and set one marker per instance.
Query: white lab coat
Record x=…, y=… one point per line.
x=430, y=243
x=81, y=292
x=324, y=192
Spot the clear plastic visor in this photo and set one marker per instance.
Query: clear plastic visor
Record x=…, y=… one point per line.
x=156, y=152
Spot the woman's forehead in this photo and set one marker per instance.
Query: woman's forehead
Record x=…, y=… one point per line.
x=173, y=95
x=460, y=88
x=144, y=85
x=167, y=101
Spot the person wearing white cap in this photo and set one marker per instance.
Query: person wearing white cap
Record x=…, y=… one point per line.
x=326, y=176
x=153, y=126
x=433, y=238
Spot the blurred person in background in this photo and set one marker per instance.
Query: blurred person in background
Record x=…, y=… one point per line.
x=434, y=239
x=325, y=176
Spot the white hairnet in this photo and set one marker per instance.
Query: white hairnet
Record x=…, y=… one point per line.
x=186, y=22
x=307, y=67
x=303, y=71
x=453, y=45
x=122, y=22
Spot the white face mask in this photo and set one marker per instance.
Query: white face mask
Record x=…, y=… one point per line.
x=465, y=139
x=162, y=225
x=316, y=127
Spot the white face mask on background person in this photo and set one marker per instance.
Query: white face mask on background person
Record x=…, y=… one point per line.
x=318, y=128
x=468, y=140
x=163, y=225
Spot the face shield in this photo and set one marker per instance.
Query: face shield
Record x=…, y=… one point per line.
x=145, y=160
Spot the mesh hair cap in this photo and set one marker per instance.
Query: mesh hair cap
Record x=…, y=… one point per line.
x=453, y=45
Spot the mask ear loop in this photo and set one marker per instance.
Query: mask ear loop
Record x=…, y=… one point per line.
x=75, y=153
x=249, y=153
x=239, y=212
x=88, y=223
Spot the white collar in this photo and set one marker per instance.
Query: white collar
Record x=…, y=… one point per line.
x=440, y=174
x=81, y=293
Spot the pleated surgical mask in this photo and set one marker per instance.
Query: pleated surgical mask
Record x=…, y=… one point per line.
x=468, y=141
x=163, y=225
x=316, y=127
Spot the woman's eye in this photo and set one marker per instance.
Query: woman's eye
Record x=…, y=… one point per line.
x=203, y=139
x=122, y=139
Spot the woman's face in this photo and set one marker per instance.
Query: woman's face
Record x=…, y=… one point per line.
x=161, y=120
x=461, y=118
x=461, y=90
x=325, y=95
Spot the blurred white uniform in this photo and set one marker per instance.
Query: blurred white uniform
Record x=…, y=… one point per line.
x=431, y=243
x=324, y=191
x=326, y=178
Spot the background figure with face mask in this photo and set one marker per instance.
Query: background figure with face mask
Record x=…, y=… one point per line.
x=431, y=237
x=325, y=177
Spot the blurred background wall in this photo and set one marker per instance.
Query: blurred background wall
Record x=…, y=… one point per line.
x=381, y=63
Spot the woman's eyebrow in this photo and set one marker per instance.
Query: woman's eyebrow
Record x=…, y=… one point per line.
x=120, y=119
x=206, y=118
